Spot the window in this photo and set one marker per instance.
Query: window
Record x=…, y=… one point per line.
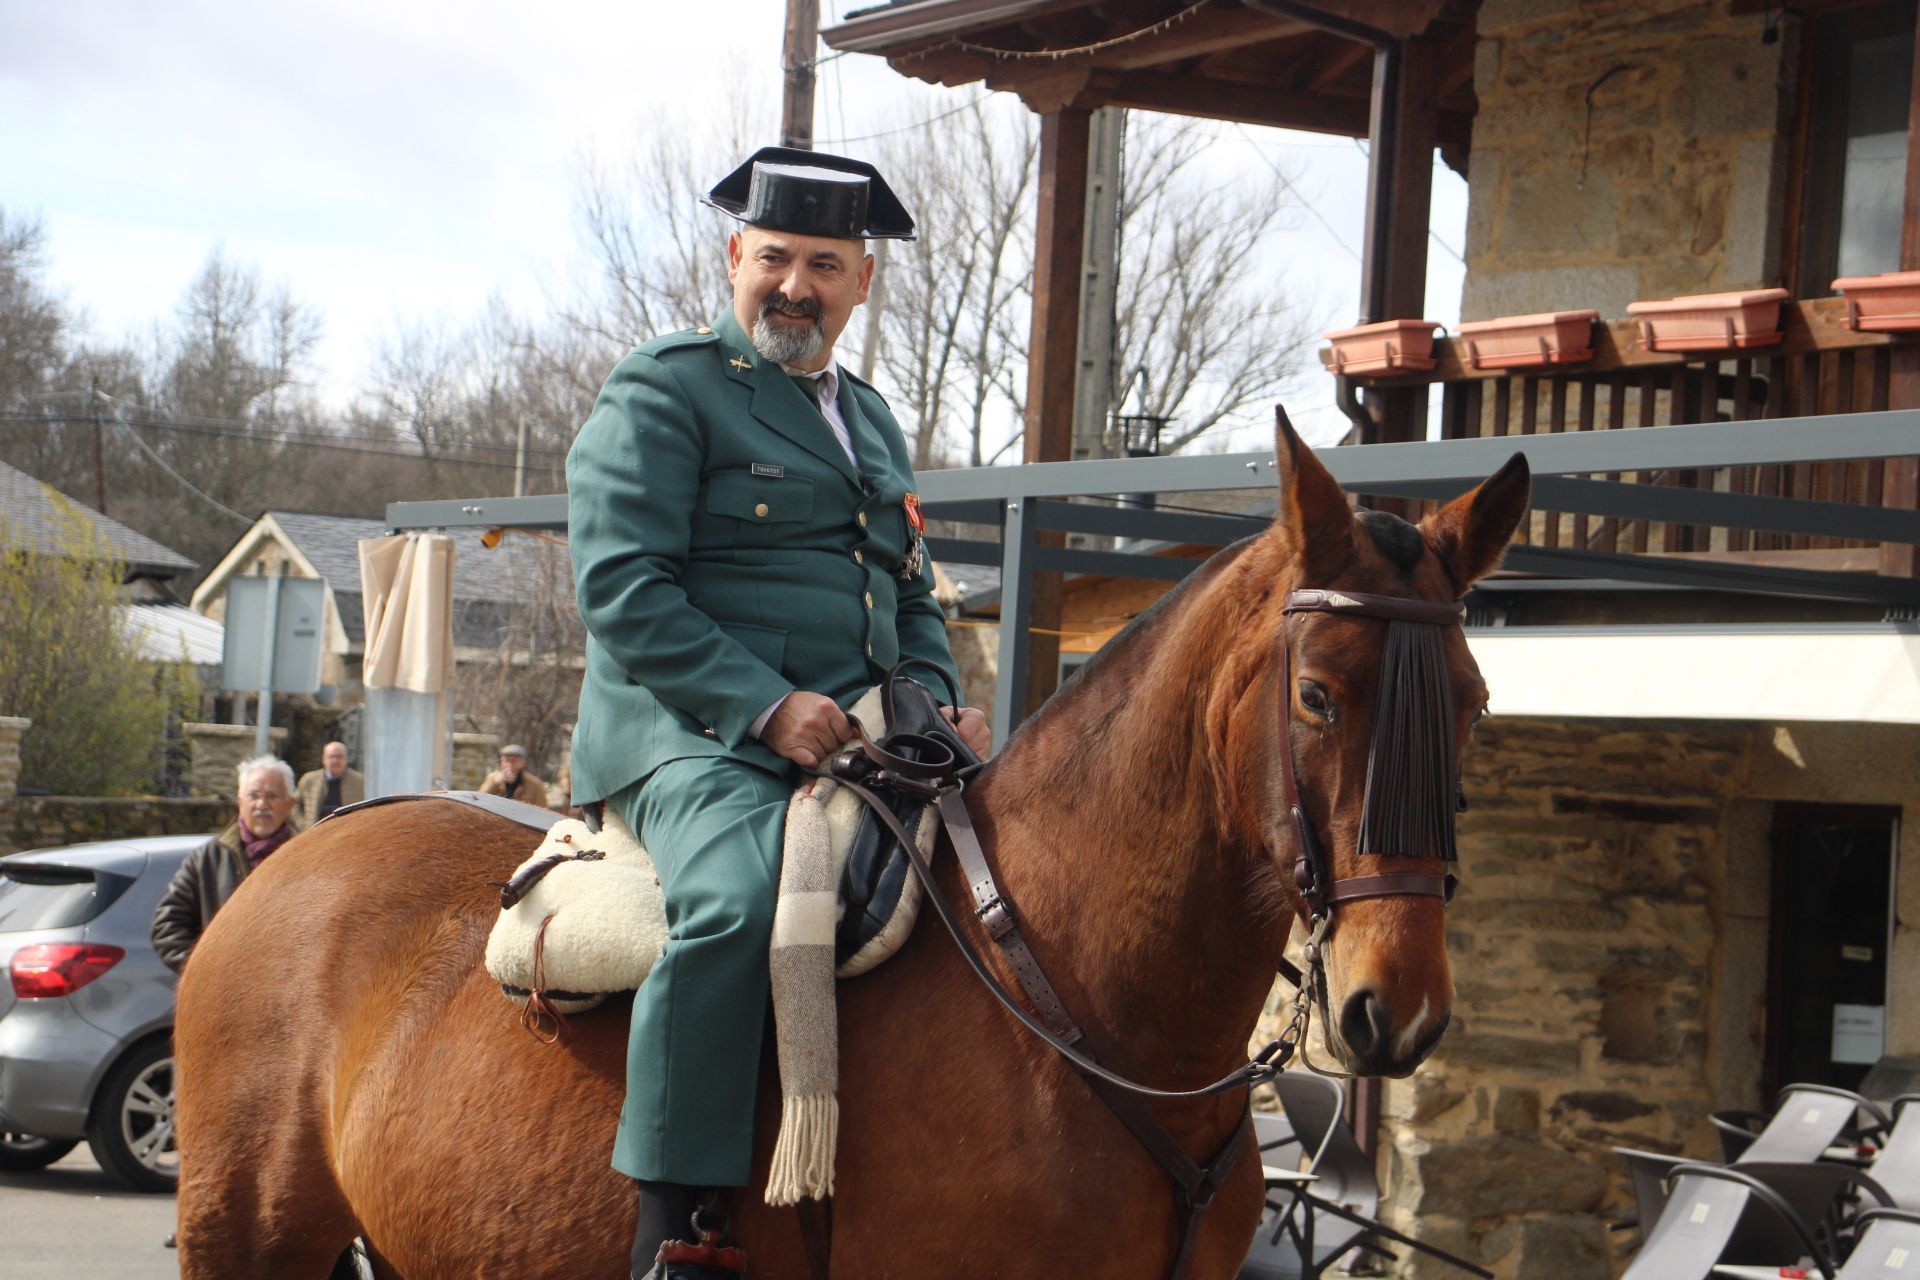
x=1858, y=69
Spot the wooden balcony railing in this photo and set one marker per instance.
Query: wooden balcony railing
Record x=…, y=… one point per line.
x=1819, y=367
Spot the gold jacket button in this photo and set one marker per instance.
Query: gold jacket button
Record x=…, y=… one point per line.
x=869, y=597
x=862, y=518
x=760, y=508
x=857, y=557
x=703, y=329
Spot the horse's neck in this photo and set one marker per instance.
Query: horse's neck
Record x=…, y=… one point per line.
x=1104, y=827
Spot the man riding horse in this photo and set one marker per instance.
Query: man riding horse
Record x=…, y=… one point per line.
x=746, y=545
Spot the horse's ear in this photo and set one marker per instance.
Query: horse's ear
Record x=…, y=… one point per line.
x=1471, y=533
x=1314, y=520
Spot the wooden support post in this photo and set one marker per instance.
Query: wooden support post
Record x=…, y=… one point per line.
x=1401, y=200
x=1900, y=478
x=1053, y=358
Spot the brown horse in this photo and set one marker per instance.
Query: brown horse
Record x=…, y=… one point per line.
x=347, y=1068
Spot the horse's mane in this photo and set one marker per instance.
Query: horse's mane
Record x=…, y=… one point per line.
x=1140, y=632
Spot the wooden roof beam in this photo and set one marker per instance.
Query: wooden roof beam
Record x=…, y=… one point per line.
x=1206, y=32
x=1232, y=100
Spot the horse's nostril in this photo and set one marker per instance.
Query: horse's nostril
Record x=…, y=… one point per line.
x=1364, y=1024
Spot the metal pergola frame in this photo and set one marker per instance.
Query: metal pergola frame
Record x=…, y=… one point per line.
x=1024, y=500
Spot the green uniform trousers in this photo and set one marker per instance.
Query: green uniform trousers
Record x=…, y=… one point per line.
x=714, y=827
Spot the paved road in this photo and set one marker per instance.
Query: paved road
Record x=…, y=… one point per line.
x=72, y=1221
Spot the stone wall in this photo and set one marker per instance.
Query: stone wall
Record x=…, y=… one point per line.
x=43, y=821
x=11, y=730
x=217, y=750
x=475, y=755
x=1669, y=184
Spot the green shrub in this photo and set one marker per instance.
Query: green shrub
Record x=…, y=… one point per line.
x=99, y=710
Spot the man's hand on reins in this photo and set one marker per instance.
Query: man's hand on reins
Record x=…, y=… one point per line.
x=971, y=725
x=807, y=728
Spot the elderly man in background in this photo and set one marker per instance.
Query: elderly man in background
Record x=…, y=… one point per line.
x=210, y=874
x=333, y=786
x=514, y=780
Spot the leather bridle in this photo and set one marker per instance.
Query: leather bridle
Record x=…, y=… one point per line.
x=934, y=770
x=1312, y=870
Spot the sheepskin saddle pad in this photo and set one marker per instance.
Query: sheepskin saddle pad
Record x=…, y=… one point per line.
x=584, y=917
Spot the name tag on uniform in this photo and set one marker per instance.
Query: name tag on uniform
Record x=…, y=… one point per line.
x=769, y=470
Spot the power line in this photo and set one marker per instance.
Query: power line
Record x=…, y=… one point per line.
x=1295, y=193
x=246, y=428
x=905, y=128
x=185, y=483
x=301, y=442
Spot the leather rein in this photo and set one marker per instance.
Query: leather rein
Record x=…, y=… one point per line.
x=941, y=779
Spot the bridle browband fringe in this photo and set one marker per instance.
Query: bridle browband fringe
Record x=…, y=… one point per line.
x=1412, y=773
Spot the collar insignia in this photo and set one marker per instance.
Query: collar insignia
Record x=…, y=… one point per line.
x=738, y=363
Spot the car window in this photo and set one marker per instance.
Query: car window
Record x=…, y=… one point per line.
x=47, y=897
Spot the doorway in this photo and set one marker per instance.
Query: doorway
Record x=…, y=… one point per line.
x=1833, y=869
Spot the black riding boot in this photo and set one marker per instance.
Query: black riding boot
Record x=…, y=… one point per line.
x=667, y=1220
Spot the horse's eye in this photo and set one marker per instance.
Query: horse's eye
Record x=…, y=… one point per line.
x=1313, y=696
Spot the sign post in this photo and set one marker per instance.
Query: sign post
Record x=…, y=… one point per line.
x=273, y=641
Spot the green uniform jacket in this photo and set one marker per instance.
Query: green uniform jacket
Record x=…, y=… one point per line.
x=726, y=552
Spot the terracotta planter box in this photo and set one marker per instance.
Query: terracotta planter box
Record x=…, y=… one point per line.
x=1514, y=342
x=1887, y=303
x=1392, y=346
x=1710, y=321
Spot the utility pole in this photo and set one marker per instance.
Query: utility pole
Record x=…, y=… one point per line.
x=99, y=451
x=876, y=311
x=796, y=105
x=1099, y=288
x=520, y=462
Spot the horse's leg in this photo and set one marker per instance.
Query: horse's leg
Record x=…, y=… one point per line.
x=257, y=1197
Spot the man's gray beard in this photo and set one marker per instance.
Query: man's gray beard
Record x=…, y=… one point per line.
x=785, y=344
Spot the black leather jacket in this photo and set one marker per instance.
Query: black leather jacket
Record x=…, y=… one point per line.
x=206, y=879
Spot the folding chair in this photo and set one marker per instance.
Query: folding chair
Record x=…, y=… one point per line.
x=1802, y=1114
x=1896, y=1169
x=1806, y=1121
x=1888, y=1248
x=1726, y=1214
x=1316, y=1216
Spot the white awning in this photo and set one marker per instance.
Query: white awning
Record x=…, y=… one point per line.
x=1868, y=673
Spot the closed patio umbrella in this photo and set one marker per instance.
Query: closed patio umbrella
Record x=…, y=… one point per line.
x=407, y=593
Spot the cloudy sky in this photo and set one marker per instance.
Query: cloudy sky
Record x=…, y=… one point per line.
x=399, y=162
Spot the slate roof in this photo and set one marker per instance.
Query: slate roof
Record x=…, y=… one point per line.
x=29, y=517
x=486, y=583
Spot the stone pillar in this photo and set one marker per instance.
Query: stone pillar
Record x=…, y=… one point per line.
x=11, y=730
x=216, y=751
x=474, y=757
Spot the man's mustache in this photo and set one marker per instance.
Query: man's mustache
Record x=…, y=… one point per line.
x=808, y=308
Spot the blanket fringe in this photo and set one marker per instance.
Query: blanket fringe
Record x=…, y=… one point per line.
x=803, y=1154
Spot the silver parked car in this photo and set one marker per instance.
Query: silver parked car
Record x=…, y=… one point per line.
x=86, y=1009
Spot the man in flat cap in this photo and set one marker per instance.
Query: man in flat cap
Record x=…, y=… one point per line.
x=746, y=548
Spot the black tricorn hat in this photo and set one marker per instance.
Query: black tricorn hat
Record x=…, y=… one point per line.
x=811, y=193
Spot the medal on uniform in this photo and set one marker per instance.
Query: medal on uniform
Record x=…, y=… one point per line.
x=916, y=538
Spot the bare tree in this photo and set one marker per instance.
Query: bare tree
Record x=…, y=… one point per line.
x=968, y=178
x=529, y=690
x=33, y=321
x=1210, y=332
x=659, y=254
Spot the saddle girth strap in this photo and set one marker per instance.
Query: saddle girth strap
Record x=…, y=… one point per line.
x=1194, y=1184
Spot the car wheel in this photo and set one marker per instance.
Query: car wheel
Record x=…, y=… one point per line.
x=131, y=1129
x=24, y=1153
